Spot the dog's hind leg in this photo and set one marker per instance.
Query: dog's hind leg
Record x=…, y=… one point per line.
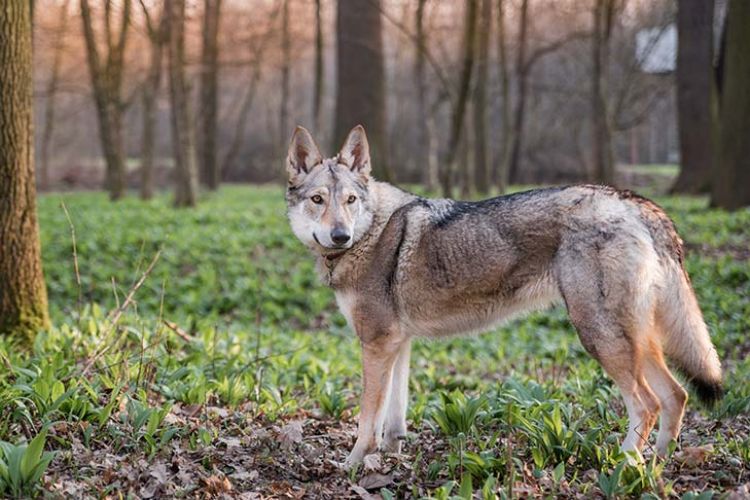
x=379, y=353
x=672, y=397
x=602, y=310
x=395, y=419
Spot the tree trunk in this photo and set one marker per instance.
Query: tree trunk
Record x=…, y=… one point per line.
x=482, y=159
x=210, y=175
x=182, y=130
x=459, y=105
x=427, y=162
x=49, y=108
x=603, y=160
x=286, y=55
x=731, y=185
x=319, y=68
x=23, y=296
x=500, y=176
x=360, y=80
x=106, y=81
x=156, y=36
x=519, y=114
x=695, y=95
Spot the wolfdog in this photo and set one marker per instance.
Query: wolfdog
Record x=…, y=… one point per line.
x=404, y=266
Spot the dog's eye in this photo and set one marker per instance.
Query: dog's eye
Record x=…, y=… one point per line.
x=317, y=199
x=351, y=199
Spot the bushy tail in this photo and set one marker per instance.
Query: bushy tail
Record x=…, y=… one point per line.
x=687, y=342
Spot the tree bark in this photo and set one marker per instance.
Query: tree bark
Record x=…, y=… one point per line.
x=23, y=296
x=731, y=185
x=181, y=117
x=157, y=37
x=459, y=104
x=49, y=107
x=482, y=155
x=360, y=80
x=319, y=68
x=426, y=156
x=210, y=174
x=519, y=113
x=500, y=175
x=603, y=159
x=286, y=55
x=106, y=81
x=695, y=95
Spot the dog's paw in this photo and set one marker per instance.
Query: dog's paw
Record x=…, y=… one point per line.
x=392, y=443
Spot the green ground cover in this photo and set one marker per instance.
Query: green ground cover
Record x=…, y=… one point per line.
x=230, y=372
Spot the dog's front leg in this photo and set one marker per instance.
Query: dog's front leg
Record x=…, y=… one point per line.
x=395, y=419
x=378, y=356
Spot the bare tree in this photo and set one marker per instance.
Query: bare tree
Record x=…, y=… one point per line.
x=210, y=174
x=23, y=295
x=426, y=155
x=51, y=94
x=731, y=184
x=603, y=157
x=482, y=154
x=319, y=68
x=459, y=102
x=286, y=55
x=522, y=74
x=695, y=95
x=157, y=34
x=500, y=176
x=106, y=80
x=360, y=89
x=183, y=142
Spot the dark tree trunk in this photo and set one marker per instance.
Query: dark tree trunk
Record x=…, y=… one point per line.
x=519, y=113
x=286, y=55
x=360, y=80
x=182, y=124
x=23, y=296
x=49, y=107
x=603, y=159
x=319, y=67
x=482, y=159
x=500, y=176
x=731, y=184
x=210, y=175
x=459, y=104
x=157, y=35
x=696, y=105
x=106, y=81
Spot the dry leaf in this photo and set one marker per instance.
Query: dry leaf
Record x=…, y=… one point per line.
x=372, y=462
x=694, y=456
x=375, y=481
x=291, y=433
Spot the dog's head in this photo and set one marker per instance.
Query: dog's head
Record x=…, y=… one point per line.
x=329, y=200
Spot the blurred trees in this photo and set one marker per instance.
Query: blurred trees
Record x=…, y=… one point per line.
x=731, y=183
x=183, y=141
x=209, y=109
x=696, y=99
x=156, y=29
x=604, y=12
x=23, y=295
x=106, y=83
x=360, y=80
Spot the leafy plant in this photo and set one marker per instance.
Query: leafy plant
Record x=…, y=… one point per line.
x=22, y=465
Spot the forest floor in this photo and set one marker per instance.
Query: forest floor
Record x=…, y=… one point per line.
x=196, y=354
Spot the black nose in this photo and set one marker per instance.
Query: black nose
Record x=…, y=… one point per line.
x=340, y=236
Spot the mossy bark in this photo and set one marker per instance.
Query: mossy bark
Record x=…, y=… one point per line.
x=23, y=296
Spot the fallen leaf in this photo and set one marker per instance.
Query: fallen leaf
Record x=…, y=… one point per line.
x=694, y=456
x=364, y=494
x=372, y=462
x=375, y=481
x=291, y=433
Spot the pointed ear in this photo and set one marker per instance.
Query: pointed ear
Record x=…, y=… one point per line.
x=303, y=155
x=355, y=153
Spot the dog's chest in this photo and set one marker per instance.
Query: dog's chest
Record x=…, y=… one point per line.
x=346, y=301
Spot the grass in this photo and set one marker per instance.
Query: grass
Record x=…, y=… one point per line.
x=232, y=371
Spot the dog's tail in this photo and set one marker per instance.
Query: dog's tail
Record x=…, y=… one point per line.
x=686, y=339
